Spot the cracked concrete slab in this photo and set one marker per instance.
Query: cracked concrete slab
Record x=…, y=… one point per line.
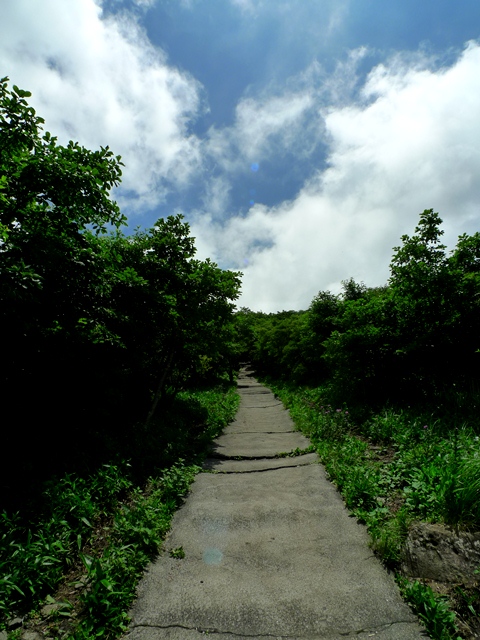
x=269, y=553
x=258, y=445
x=262, y=464
x=271, y=422
x=392, y=632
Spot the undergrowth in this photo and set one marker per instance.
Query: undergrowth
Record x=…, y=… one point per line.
x=433, y=610
x=393, y=468
x=85, y=545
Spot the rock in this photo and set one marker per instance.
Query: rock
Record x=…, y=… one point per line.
x=32, y=635
x=435, y=552
x=81, y=583
x=3, y=635
x=48, y=609
x=14, y=623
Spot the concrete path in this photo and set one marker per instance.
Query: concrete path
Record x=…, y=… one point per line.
x=270, y=550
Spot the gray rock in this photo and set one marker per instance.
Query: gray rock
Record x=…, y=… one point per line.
x=436, y=552
x=48, y=609
x=14, y=623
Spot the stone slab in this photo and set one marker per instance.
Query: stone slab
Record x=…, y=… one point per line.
x=264, y=464
x=268, y=554
x=258, y=445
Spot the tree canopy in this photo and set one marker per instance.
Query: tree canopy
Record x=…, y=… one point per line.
x=99, y=327
x=416, y=338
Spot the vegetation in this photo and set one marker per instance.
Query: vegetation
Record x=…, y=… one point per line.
x=84, y=550
x=385, y=383
x=117, y=368
x=103, y=329
x=124, y=347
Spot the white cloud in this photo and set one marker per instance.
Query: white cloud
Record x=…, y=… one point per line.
x=253, y=7
x=259, y=122
x=409, y=140
x=145, y=4
x=266, y=126
x=216, y=198
x=284, y=119
x=100, y=81
x=412, y=143
x=337, y=17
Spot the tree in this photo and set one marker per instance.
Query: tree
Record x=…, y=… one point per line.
x=54, y=202
x=50, y=197
x=97, y=324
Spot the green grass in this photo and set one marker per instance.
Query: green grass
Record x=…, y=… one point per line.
x=35, y=555
x=138, y=530
x=433, y=472
x=394, y=468
x=433, y=610
x=92, y=536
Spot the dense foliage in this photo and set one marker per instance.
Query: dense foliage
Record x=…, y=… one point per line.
x=83, y=550
x=414, y=340
x=116, y=371
x=100, y=329
x=385, y=383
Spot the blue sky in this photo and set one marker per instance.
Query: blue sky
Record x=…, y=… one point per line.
x=300, y=138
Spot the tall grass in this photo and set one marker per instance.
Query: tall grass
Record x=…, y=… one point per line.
x=433, y=610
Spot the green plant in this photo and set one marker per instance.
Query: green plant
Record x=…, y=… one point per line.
x=433, y=610
x=388, y=533
x=467, y=491
x=31, y=564
x=33, y=558
x=383, y=427
x=177, y=553
x=139, y=529
x=295, y=452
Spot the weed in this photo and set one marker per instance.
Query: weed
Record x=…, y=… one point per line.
x=177, y=553
x=35, y=554
x=432, y=609
x=296, y=452
x=467, y=491
x=139, y=529
x=388, y=533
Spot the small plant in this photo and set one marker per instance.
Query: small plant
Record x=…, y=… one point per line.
x=177, y=553
x=433, y=610
x=296, y=452
x=388, y=533
x=467, y=492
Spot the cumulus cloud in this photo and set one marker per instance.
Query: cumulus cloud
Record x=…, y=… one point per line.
x=411, y=142
x=285, y=119
x=273, y=124
x=404, y=139
x=100, y=81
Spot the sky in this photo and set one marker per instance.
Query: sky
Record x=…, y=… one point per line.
x=299, y=138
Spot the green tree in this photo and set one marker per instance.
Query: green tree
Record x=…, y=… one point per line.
x=54, y=200
x=98, y=324
x=418, y=337
x=51, y=196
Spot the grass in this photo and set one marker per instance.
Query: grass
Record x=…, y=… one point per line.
x=138, y=530
x=394, y=468
x=432, y=609
x=83, y=549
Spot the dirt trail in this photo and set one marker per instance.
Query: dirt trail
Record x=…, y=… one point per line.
x=270, y=550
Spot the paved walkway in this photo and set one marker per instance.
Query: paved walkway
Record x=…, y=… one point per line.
x=270, y=550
